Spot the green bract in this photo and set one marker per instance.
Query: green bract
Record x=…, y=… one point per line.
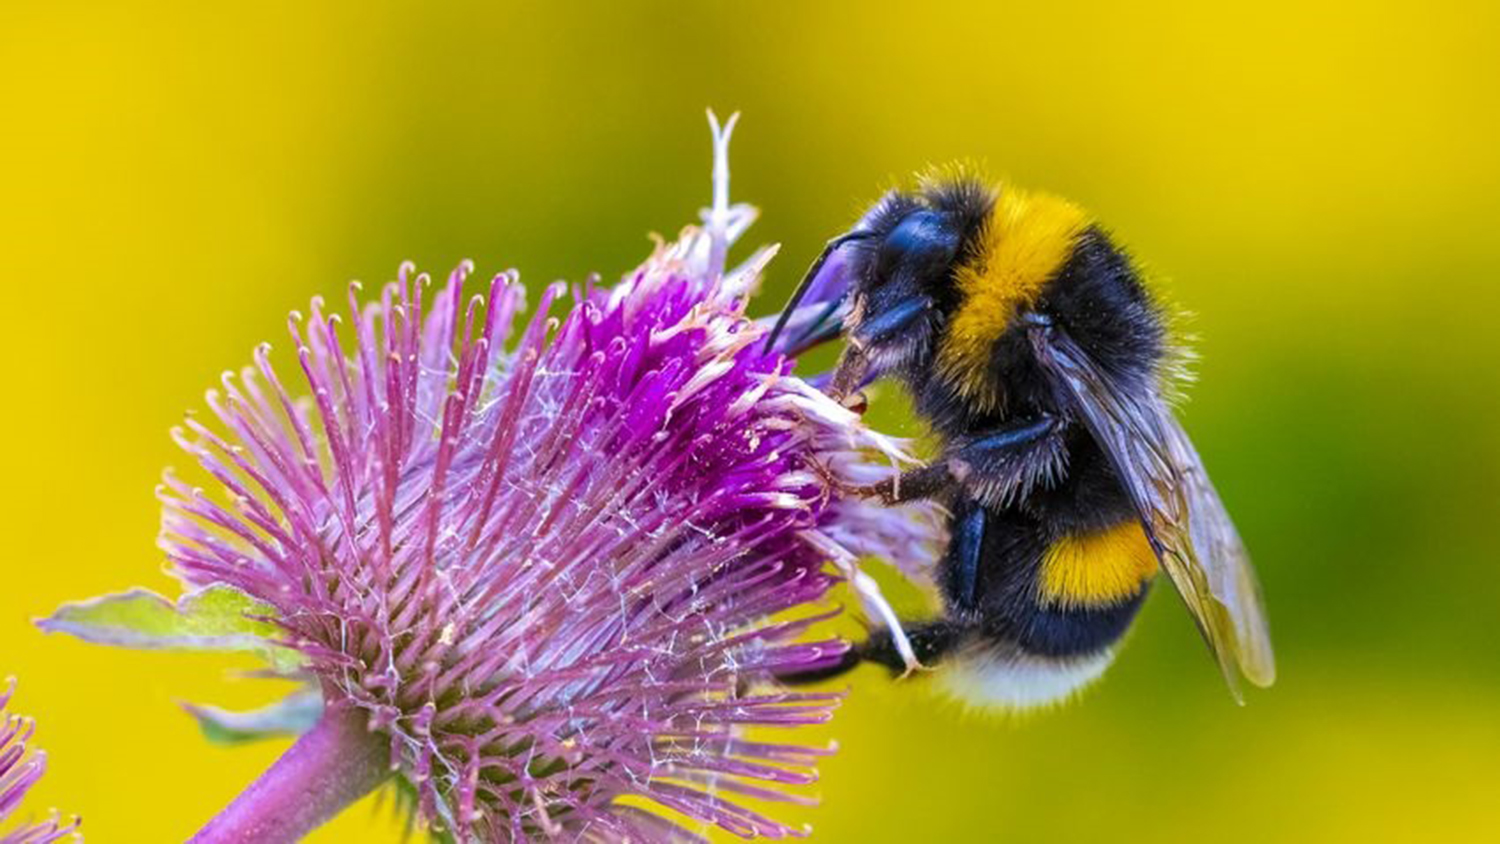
x=214, y=618
x=291, y=716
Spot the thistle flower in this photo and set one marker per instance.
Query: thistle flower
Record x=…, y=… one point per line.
x=18, y=773
x=545, y=577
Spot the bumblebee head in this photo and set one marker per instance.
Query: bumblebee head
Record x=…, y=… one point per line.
x=888, y=284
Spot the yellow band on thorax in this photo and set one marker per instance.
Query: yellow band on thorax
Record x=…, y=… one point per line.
x=1097, y=568
x=1027, y=239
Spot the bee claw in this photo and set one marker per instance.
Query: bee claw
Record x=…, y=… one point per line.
x=884, y=491
x=914, y=666
x=831, y=482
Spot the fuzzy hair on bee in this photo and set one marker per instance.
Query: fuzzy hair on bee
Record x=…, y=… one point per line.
x=1044, y=366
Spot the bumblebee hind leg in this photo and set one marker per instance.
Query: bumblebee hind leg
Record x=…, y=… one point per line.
x=870, y=596
x=930, y=642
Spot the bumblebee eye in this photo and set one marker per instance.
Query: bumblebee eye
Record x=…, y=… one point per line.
x=922, y=243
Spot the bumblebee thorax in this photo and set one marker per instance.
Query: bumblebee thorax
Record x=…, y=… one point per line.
x=1022, y=245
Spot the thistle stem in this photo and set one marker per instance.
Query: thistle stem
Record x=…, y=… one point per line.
x=335, y=763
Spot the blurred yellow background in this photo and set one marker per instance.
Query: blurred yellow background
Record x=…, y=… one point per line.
x=1319, y=183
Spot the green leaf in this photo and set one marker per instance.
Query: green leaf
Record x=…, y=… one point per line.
x=215, y=618
x=293, y=715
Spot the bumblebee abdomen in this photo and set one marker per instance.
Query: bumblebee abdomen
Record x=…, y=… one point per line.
x=1053, y=624
x=1064, y=632
x=1045, y=584
x=998, y=676
x=1087, y=590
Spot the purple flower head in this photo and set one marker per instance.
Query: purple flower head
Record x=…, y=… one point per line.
x=18, y=772
x=542, y=557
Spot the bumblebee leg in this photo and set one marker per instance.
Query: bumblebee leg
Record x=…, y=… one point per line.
x=880, y=330
x=966, y=548
x=931, y=641
x=854, y=364
x=913, y=485
x=874, y=602
x=870, y=596
x=847, y=662
x=997, y=466
x=1001, y=457
x=1007, y=439
x=890, y=324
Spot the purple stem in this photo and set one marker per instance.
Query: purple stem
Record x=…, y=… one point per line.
x=335, y=763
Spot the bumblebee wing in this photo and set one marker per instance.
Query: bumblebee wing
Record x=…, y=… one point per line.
x=1223, y=560
x=1181, y=512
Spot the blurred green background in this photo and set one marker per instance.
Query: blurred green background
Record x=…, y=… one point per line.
x=1319, y=183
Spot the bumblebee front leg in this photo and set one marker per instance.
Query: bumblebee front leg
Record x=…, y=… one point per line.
x=853, y=366
x=882, y=331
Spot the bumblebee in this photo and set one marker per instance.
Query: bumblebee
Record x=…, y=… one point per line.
x=1043, y=365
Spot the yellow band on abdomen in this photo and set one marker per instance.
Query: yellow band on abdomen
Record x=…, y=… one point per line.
x=1097, y=568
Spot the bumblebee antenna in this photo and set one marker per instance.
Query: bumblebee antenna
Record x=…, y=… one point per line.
x=806, y=284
